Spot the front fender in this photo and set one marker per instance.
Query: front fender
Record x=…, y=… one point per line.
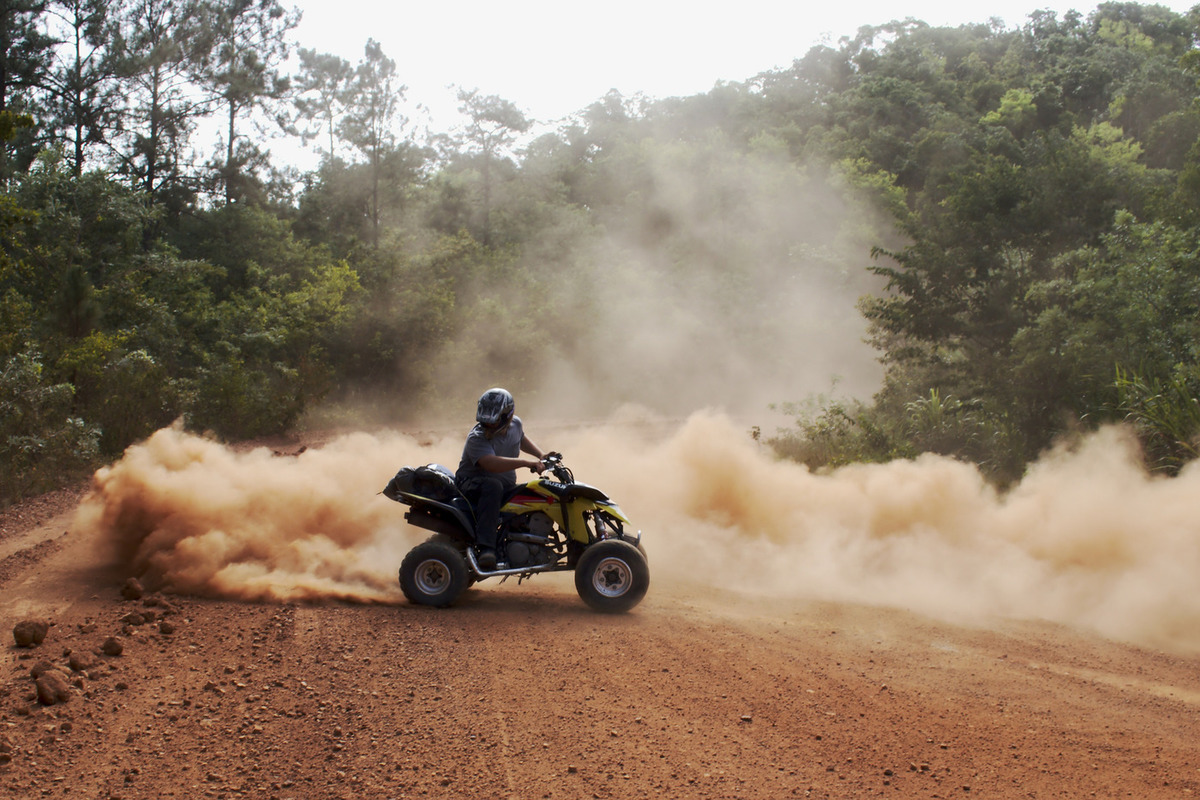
x=614, y=510
x=577, y=509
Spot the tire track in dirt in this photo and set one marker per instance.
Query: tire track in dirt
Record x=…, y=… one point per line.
x=29, y=536
x=21, y=561
x=47, y=569
x=37, y=511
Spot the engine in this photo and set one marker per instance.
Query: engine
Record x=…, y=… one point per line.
x=530, y=540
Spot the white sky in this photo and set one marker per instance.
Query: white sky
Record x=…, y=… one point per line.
x=553, y=58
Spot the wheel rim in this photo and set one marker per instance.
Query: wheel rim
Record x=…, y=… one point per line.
x=612, y=577
x=432, y=576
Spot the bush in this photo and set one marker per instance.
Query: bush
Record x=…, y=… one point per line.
x=237, y=400
x=1165, y=414
x=834, y=432
x=42, y=445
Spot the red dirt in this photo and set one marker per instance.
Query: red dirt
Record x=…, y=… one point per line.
x=521, y=692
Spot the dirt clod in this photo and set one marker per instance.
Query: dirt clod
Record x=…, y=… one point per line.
x=53, y=687
x=30, y=633
x=38, y=669
x=79, y=662
x=133, y=589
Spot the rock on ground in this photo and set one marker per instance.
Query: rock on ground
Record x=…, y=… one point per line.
x=30, y=633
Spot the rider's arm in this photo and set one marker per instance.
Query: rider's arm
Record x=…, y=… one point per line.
x=527, y=446
x=494, y=463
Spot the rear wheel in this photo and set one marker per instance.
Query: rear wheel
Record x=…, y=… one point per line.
x=434, y=574
x=612, y=576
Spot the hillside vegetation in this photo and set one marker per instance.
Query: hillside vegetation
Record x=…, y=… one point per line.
x=1008, y=215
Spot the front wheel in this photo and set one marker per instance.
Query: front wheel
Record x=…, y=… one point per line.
x=612, y=576
x=433, y=574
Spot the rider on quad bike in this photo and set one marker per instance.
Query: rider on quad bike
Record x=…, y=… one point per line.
x=550, y=523
x=487, y=471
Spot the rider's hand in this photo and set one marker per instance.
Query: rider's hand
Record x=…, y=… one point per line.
x=538, y=466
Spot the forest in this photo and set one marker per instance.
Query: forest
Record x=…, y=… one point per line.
x=972, y=241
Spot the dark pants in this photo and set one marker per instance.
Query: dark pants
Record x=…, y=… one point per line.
x=486, y=494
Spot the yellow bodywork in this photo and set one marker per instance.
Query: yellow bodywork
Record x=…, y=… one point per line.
x=535, y=496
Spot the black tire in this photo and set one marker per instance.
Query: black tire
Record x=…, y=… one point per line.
x=433, y=573
x=642, y=550
x=616, y=525
x=452, y=542
x=612, y=576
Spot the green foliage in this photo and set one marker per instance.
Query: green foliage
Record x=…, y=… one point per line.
x=236, y=341
x=125, y=393
x=834, y=432
x=16, y=322
x=1017, y=112
x=1166, y=414
x=27, y=51
x=265, y=349
x=42, y=446
x=10, y=123
x=322, y=94
x=1017, y=210
x=1035, y=263
x=239, y=397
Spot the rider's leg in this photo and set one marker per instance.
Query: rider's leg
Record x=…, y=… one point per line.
x=490, y=493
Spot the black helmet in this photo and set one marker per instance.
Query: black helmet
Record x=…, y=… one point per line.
x=495, y=408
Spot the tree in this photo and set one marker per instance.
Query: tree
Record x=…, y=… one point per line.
x=158, y=45
x=249, y=46
x=81, y=83
x=25, y=53
x=263, y=353
x=1130, y=303
x=322, y=90
x=493, y=127
x=372, y=117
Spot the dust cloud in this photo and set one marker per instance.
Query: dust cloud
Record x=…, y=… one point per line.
x=192, y=516
x=724, y=280
x=1086, y=539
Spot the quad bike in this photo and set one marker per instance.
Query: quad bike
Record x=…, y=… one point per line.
x=550, y=524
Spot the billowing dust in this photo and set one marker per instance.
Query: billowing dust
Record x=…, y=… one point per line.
x=715, y=279
x=1087, y=538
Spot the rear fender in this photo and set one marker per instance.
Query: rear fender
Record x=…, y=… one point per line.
x=438, y=517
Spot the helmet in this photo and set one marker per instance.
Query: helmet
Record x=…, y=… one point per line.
x=496, y=408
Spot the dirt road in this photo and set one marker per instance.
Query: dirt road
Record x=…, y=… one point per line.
x=521, y=692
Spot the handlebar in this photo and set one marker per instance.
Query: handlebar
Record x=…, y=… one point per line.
x=553, y=462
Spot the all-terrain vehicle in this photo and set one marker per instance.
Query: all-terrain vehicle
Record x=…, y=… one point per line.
x=550, y=524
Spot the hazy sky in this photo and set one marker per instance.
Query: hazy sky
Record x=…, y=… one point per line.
x=553, y=58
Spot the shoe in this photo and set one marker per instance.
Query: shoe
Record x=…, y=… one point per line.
x=487, y=558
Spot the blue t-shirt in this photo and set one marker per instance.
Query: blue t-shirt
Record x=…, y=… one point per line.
x=506, y=444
